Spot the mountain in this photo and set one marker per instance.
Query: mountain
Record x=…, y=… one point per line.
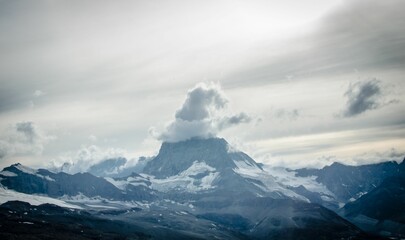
x=382, y=209
x=273, y=219
x=385, y=202
x=19, y=220
x=194, y=189
x=111, y=167
x=26, y=180
x=348, y=183
x=174, y=158
x=210, y=169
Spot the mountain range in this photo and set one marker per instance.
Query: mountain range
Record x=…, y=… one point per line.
x=205, y=189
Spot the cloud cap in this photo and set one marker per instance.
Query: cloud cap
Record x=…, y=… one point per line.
x=201, y=115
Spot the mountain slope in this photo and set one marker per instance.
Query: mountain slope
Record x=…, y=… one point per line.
x=385, y=202
x=210, y=167
x=195, y=189
x=262, y=218
x=174, y=158
x=348, y=183
x=381, y=210
x=30, y=181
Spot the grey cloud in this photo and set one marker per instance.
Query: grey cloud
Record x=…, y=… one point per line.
x=367, y=95
x=23, y=138
x=200, y=115
x=180, y=130
x=3, y=150
x=362, y=96
x=239, y=118
x=234, y=120
x=29, y=130
x=395, y=154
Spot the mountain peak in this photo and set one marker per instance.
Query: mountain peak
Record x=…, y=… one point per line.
x=18, y=167
x=337, y=164
x=176, y=157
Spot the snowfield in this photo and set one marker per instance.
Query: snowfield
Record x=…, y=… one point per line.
x=247, y=170
x=188, y=179
x=9, y=195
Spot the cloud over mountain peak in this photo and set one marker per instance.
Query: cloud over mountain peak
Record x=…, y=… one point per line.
x=202, y=115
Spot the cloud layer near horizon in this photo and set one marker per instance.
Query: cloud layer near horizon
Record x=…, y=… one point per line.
x=201, y=115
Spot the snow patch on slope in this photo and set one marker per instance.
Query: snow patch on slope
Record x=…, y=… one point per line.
x=9, y=195
x=123, y=183
x=8, y=174
x=120, y=184
x=98, y=201
x=288, y=178
x=25, y=169
x=244, y=168
x=199, y=176
x=247, y=170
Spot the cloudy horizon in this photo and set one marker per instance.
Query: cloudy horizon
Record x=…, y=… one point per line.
x=291, y=84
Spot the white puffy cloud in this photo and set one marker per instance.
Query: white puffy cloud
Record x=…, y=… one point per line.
x=202, y=115
x=23, y=138
x=84, y=158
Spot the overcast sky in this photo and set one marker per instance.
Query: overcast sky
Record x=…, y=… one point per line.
x=292, y=83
